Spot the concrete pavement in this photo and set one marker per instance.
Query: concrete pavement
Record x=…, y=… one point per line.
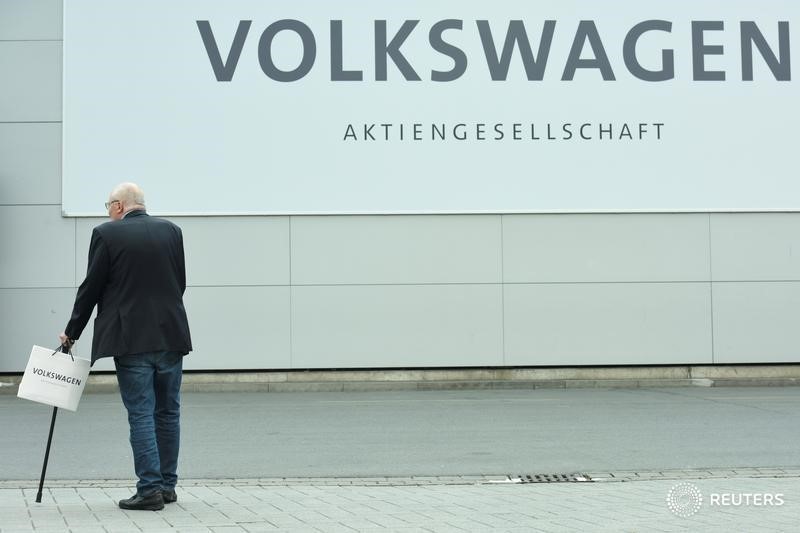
x=399, y=505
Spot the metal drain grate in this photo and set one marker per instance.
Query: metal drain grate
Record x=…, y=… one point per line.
x=551, y=478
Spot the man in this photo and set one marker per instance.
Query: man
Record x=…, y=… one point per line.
x=136, y=277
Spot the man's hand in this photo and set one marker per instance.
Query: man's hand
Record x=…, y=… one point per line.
x=65, y=341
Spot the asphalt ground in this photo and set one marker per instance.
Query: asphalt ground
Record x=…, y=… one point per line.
x=422, y=433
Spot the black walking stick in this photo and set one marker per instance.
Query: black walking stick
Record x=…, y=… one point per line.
x=64, y=349
x=46, y=455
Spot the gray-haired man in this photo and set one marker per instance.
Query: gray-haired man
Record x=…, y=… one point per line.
x=136, y=277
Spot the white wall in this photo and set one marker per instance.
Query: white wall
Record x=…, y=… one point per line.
x=397, y=291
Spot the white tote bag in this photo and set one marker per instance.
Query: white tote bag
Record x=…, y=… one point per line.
x=54, y=378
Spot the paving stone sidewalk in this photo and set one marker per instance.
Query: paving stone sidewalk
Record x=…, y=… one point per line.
x=622, y=501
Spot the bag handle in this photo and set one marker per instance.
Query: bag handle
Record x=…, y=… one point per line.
x=64, y=349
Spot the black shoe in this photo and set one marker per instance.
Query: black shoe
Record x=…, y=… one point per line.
x=169, y=496
x=153, y=502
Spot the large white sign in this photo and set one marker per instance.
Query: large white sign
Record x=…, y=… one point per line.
x=447, y=106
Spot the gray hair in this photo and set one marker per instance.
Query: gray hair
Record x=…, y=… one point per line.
x=130, y=195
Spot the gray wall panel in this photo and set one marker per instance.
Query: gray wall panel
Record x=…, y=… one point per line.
x=232, y=327
x=607, y=324
x=30, y=316
x=755, y=246
x=30, y=19
x=220, y=251
x=605, y=247
x=31, y=87
x=756, y=322
x=38, y=247
x=395, y=249
x=30, y=164
x=236, y=250
x=238, y=327
x=396, y=326
x=83, y=236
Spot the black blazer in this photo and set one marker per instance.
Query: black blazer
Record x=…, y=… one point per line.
x=136, y=277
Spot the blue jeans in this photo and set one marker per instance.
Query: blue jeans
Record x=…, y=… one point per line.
x=150, y=386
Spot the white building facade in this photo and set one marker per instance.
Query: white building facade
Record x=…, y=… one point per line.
x=390, y=290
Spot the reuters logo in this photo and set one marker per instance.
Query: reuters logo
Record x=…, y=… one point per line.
x=684, y=499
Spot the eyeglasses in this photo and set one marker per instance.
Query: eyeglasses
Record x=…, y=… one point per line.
x=112, y=202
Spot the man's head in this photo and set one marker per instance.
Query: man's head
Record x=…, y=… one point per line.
x=124, y=198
